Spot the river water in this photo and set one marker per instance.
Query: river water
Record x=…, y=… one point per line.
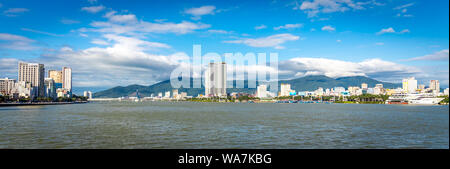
x=224, y=125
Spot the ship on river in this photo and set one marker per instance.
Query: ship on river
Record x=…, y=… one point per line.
x=421, y=99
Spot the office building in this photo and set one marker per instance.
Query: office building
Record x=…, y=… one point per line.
x=216, y=80
x=33, y=73
x=50, y=89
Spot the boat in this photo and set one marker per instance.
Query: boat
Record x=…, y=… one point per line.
x=419, y=99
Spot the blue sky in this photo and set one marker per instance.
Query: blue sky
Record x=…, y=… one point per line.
x=107, y=42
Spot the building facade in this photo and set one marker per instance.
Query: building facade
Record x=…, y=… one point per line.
x=55, y=75
x=34, y=73
x=67, y=79
x=434, y=86
x=409, y=85
x=216, y=80
x=6, y=86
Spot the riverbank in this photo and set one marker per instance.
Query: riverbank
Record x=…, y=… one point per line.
x=39, y=103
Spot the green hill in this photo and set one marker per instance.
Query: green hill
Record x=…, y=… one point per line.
x=307, y=83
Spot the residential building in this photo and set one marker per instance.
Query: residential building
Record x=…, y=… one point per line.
x=446, y=92
x=6, y=86
x=364, y=86
x=216, y=80
x=434, y=86
x=167, y=94
x=261, y=91
x=285, y=89
x=34, y=74
x=23, y=89
x=55, y=75
x=67, y=79
x=409, y=85
x=87, y=94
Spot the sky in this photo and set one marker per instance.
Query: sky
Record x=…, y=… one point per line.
x=109, y=43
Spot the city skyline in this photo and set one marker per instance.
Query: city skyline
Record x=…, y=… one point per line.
x=112, y=43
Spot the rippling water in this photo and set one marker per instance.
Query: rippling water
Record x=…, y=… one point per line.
x=223, y=125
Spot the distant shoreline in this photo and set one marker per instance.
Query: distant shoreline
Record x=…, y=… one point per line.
x=38, y=103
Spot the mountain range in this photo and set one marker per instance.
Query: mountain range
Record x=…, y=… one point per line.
x=307, y=83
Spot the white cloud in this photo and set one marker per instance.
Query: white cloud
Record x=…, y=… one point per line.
x=124, y=61
x=8, y=67
x=405, y=31
x=404, y=6
x=391, y=30
x=92, y=1
x=218, y=31
x=387, y=30
x=328, y=28
x=288, y=26
x=314, y=7
x=69, y=21
x=113, y=17
x=437, y=56
x=260, y=27
x=15, y=42
x=271, y=41
x=375, y=68
x=403, y=9
x=145, y=27
x=379, y=43
x=40, y=32
x=197, y=13
x=99, y=42
x=338, y=41
x=12, y=12
x=93, y=9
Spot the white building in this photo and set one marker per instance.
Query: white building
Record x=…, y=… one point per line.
x=216, y=79
x=6, y=86
x=319, y=92
x=34, y=74
x=434, y=86
x=364, y=86
x=24, y=89
x=261, y=91
x=409, y=85
x=87, y=94
x=67, y=79
x=167, y=94
x=285, y=89
x=446, y=91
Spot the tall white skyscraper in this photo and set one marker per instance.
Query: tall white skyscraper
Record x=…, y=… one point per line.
x=67, y=78
x=410, y=85
x=34, y=73
x=216, y=79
